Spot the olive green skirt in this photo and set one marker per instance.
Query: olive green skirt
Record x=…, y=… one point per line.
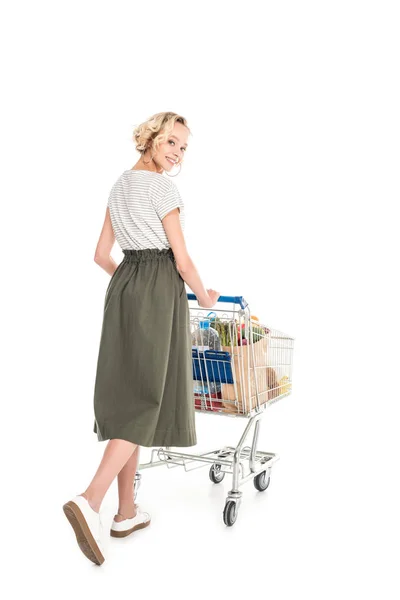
x=143, y=389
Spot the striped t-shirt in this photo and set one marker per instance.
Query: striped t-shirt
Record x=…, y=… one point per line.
x=138, y=201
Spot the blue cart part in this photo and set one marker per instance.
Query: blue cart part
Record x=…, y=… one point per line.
x=214, y=364
x=233, y=299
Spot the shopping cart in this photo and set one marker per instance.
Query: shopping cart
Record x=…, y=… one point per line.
x=252, y=370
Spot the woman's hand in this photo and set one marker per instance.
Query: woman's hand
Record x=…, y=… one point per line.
x=210, y=300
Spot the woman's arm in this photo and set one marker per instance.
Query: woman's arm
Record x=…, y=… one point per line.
x=184, y=263
x=104, y=246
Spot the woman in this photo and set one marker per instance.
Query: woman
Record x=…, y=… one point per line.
x=143, y=394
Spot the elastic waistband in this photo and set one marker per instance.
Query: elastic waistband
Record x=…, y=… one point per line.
x=148, y=254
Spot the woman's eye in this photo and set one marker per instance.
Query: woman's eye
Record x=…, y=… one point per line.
x=174, y=143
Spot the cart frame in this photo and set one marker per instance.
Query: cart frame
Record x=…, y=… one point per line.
x=242, y=462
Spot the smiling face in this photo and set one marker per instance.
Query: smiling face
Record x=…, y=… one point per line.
x=171, y=152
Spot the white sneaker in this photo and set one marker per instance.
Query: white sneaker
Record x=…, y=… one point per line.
x=87, y=526
x=123, y=528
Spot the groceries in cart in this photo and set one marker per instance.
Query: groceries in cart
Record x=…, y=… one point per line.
x=206, y=338
x=239, y=365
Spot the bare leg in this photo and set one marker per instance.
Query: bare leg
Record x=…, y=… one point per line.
x=126, y=507
x=116, y=454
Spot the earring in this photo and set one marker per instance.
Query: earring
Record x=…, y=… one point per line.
x=180, y=166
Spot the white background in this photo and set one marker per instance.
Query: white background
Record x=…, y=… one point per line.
x=290, y=185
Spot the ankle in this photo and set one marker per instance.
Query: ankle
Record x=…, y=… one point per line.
x=126, y=513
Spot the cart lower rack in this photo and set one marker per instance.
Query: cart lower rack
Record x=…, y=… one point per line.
x=239, y=368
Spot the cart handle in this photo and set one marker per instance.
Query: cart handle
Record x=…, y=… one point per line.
x=235, y=299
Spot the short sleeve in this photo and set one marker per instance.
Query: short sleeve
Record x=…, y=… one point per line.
x=111, y=194
x=168, y=201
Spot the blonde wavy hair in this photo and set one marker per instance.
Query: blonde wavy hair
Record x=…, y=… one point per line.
x=156, y=130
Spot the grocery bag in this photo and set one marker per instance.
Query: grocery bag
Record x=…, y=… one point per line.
x=246, y=376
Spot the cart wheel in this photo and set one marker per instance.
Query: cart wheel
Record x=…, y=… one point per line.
x=230, y=512
x=216, y=475
x=261, y=481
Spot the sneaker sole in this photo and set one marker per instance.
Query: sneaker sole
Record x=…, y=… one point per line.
x=84, y=537
x=120, y=534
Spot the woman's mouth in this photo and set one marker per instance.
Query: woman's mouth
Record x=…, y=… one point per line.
x=170, y=160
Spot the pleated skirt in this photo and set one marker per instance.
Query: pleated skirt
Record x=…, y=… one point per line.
x=143, y=390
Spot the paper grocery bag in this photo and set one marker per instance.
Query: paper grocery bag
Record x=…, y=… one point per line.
x=243, y=369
